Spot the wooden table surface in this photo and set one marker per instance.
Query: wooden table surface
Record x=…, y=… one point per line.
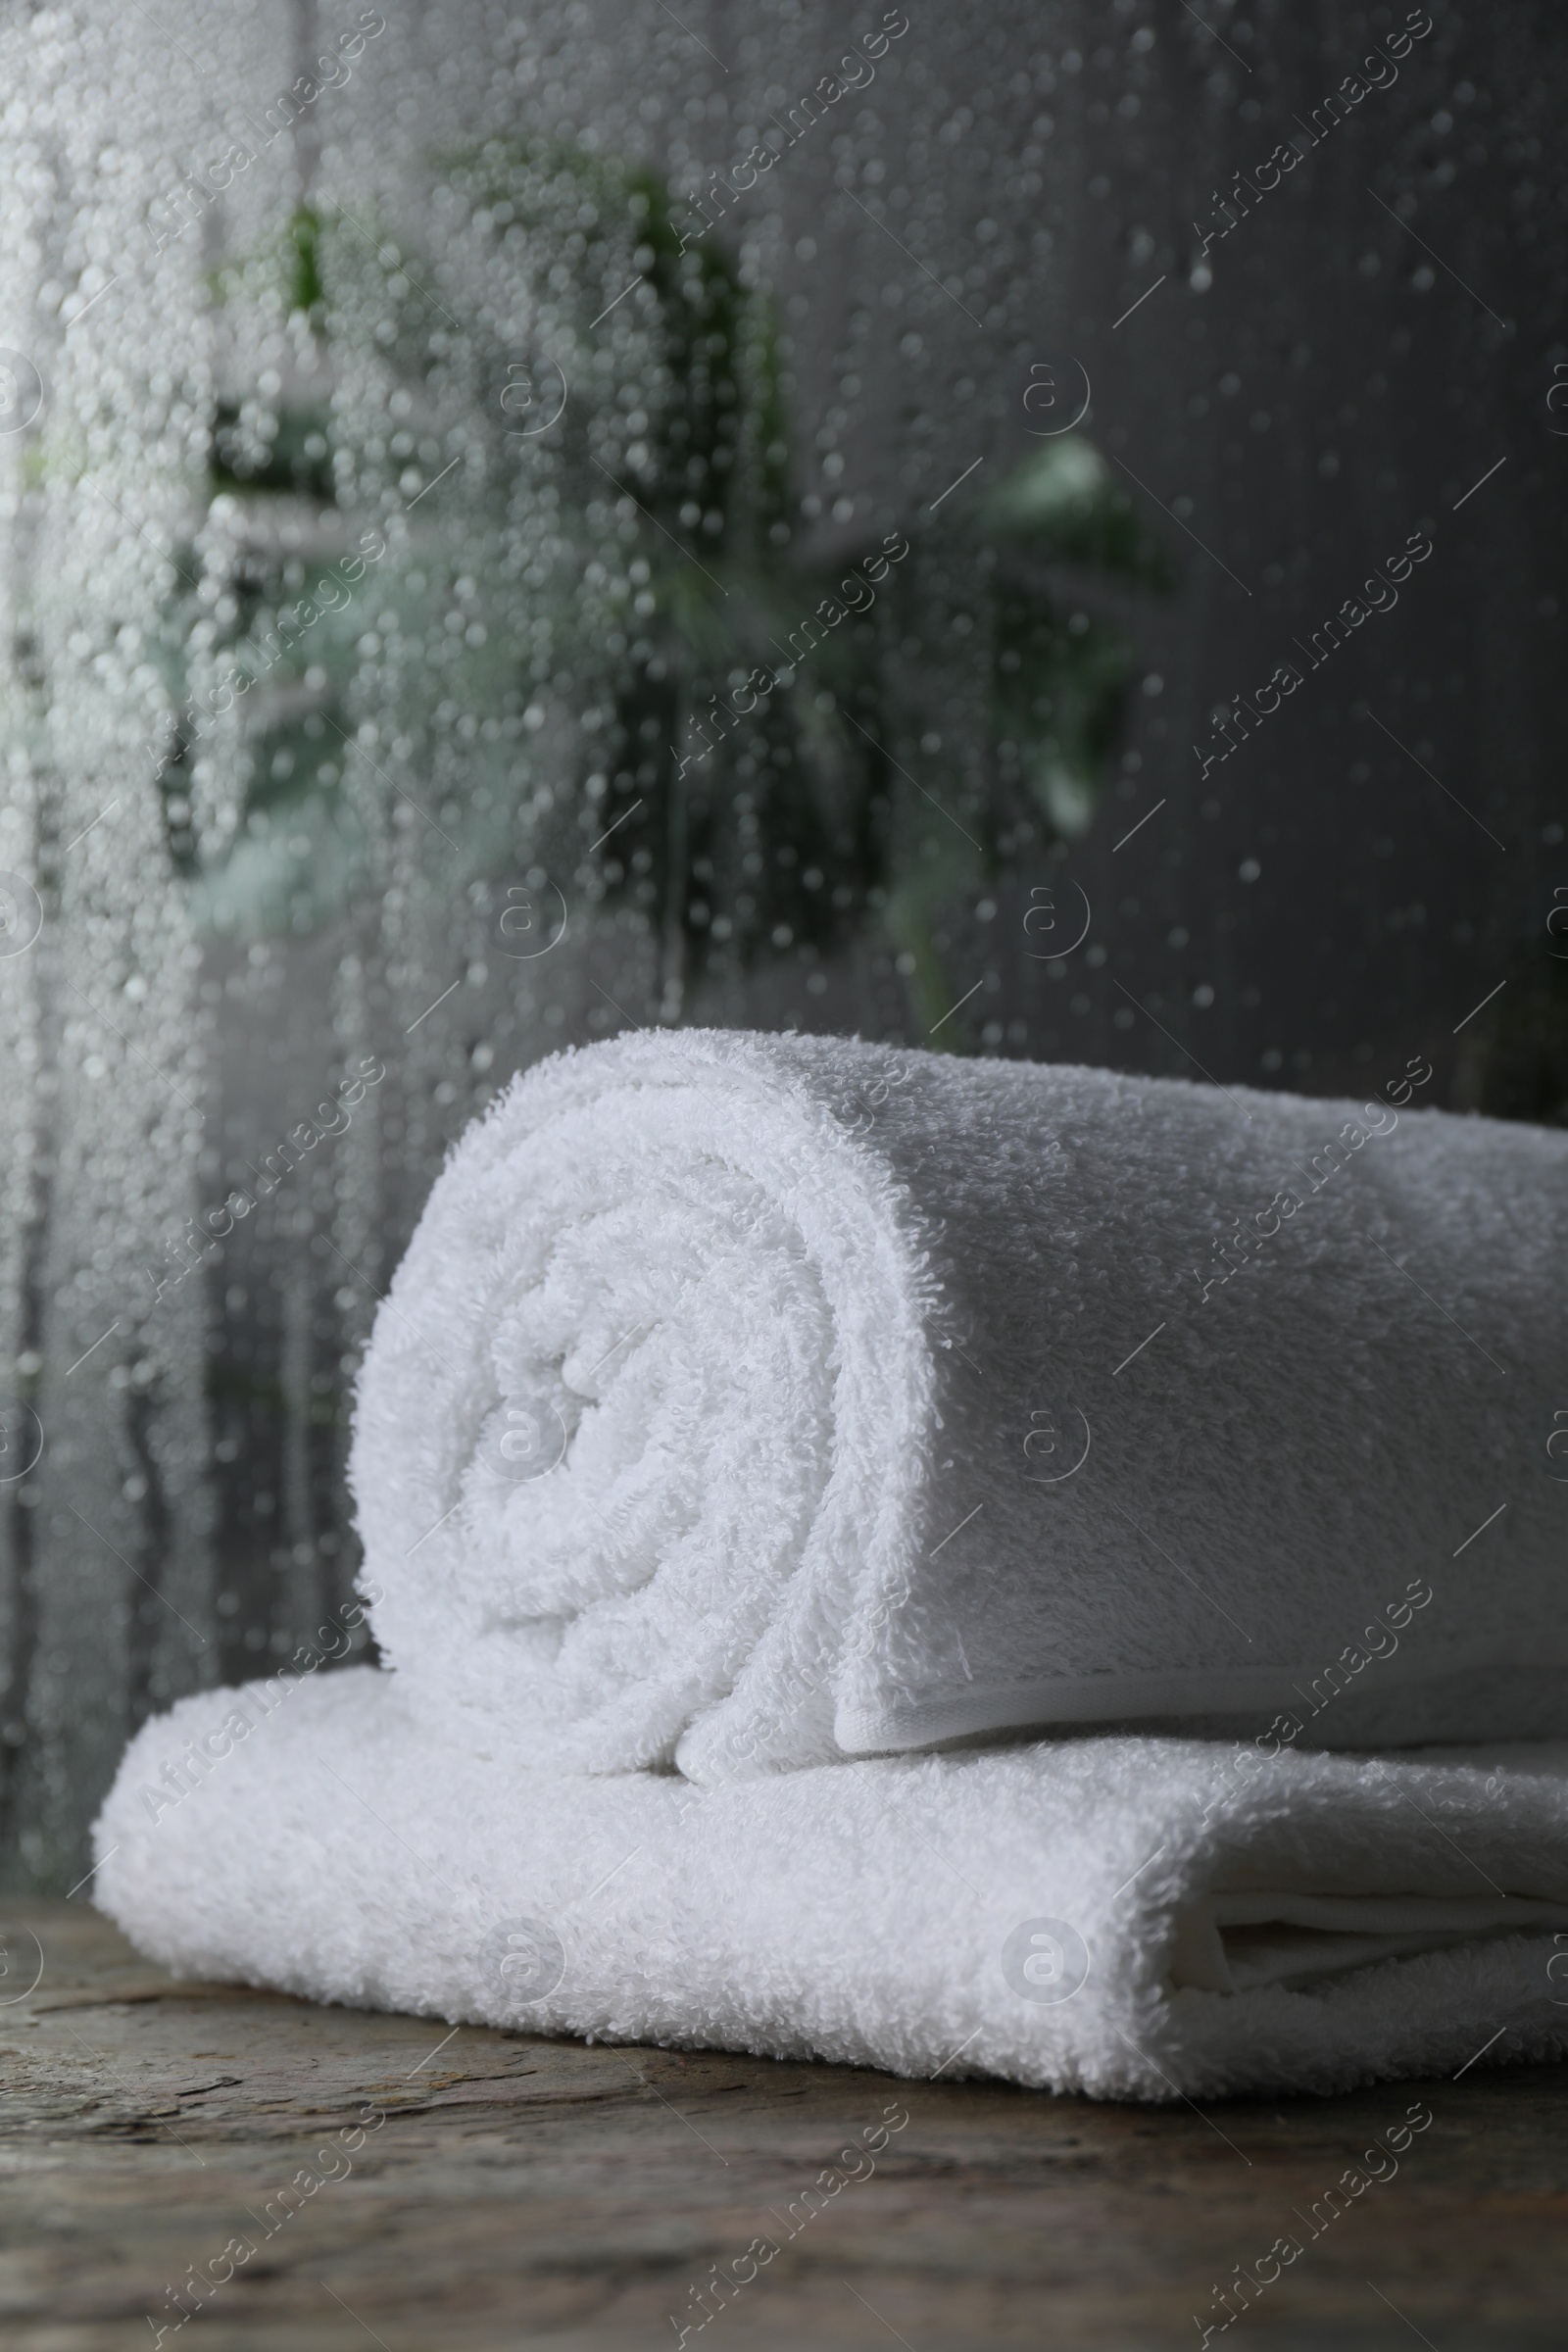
x=491, y=2190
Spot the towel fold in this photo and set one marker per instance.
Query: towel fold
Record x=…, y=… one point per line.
x=744, y=1402
x=1131, y=1917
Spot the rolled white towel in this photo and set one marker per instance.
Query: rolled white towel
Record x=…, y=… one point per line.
x=745, y=1402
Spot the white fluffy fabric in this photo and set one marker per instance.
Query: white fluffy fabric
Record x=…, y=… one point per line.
x=745, y=1406
x=1063, y=1913
x=744, y=1402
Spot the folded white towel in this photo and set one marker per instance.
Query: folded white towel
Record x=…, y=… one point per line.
x=746, y=1403
x=1069, y=1913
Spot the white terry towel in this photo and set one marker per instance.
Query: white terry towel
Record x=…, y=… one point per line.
x=746, y=1403
x=1127, y=1916
x=752, y=1403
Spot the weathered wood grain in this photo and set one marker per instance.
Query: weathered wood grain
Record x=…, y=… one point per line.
x=522, y=2192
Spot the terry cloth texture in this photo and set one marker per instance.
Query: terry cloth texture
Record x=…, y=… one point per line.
x=1063, y=1913
x=744, y=1402
x=747, y=1405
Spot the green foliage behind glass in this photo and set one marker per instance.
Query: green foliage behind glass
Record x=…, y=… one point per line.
x=634, y=565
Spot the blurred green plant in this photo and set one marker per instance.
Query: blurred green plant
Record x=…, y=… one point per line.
x=632, y=567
